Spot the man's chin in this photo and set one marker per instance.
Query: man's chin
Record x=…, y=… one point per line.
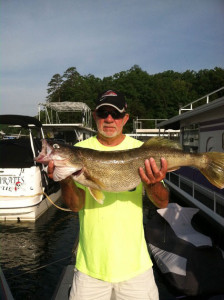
x=109, y=134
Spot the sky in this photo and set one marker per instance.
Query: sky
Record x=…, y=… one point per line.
x=40, y=38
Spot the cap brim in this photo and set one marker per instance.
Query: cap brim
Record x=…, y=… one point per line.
x=114, y=106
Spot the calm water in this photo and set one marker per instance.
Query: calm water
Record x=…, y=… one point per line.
x=26, y=246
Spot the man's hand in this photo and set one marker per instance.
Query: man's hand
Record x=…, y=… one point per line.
x=152, y=173
x=72, y=196
x=50, y=169
x=151, y=178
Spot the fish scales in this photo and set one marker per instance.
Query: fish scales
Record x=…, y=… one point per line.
x=111, y=166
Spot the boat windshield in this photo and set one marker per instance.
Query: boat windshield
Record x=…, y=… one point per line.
x=17, y=153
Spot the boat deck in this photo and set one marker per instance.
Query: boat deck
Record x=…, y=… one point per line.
x=65, y=282
x=5, y=293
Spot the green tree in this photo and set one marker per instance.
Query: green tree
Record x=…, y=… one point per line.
x=157, y=96
x=54, y=88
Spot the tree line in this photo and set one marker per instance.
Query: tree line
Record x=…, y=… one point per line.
x=157, y=96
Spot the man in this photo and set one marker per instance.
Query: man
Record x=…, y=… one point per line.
x=112, y=252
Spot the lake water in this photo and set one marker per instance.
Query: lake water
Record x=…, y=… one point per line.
x=44, y=246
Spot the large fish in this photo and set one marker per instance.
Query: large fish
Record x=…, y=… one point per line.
x=117, y=171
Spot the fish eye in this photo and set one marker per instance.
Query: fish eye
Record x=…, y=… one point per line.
x=56, y=146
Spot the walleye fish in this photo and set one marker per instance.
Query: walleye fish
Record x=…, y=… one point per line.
x=117, y=171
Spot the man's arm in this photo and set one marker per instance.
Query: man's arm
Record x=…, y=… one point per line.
x=151, y=178
x=73, y=197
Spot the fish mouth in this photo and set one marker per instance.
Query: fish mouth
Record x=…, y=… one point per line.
x=43, y=156
x=47, y=154
x=77, y=173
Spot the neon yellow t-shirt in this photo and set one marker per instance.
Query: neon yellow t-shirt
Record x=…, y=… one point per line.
x=112, y=245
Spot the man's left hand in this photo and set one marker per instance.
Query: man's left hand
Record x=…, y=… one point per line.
x=152, y=173
x=151, y=178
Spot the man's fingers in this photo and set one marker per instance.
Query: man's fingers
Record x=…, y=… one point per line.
x=154, y=168
x=153, y=173
x=150, y=169
x=147, y=176
x=164, y=165
x=143, y=176
x=50, y=169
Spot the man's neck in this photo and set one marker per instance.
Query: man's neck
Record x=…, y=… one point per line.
x=110, y=142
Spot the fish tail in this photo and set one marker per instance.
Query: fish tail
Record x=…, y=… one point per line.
x=214, y=169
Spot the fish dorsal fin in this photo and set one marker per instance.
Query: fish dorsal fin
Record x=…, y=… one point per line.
x=160, y=142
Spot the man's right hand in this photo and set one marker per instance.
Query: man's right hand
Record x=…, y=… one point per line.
x=72, y=196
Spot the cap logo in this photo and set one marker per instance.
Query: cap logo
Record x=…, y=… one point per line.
x=108, y=93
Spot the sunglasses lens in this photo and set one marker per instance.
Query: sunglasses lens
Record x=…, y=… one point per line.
x=103, y=114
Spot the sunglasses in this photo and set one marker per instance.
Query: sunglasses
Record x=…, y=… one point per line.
x=103, y=114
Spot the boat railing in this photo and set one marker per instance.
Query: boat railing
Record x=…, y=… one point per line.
x=144, y=129
x=207, y=200
x=203, y=100
x=141, y=124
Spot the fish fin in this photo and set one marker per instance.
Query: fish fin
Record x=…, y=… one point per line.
x=161, y=143
x=174, y=169
x=96, y=181
x=214, y=169
x=97, y=195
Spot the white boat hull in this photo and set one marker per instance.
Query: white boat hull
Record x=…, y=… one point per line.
x=28, y=213
x=21, y=194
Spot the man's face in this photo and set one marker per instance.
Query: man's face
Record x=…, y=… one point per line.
x=109, y=125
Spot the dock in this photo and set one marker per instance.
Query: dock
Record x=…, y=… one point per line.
x=5, y=293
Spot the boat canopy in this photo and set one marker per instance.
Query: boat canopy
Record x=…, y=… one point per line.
x=54, y=109
x=66, y=106
x=24, y=121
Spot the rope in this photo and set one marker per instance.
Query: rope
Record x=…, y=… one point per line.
x=38, y=194
x=48, y=198
x=61, y=208
x=30, y=271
